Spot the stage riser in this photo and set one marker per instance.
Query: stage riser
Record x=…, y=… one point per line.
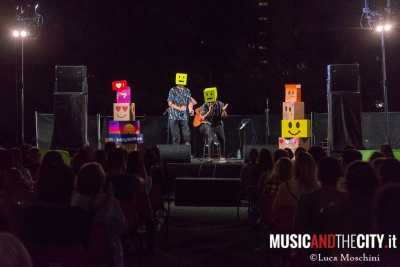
x=207, y=192
x=203, y=170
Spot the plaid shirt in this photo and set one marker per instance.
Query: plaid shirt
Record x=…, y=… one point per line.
x=179, y=99
x=271, y=186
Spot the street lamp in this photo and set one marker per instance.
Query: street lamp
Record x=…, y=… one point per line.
x=22, y=34
x=382, y=29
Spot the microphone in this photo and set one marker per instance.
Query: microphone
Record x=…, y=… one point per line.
x=243, y=123
x=166, y=111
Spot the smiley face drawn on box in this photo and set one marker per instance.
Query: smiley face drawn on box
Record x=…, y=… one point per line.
x=124, y=111
x=181, y=79
x=296, y=128
x=210, y=94
x=292, y=93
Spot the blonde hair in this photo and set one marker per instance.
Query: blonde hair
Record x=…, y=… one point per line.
x=305, y=169
x=283, y=170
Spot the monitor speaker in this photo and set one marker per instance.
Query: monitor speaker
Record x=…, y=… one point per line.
x=175, y=153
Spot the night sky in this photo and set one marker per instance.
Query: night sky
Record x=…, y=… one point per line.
x=148, y=42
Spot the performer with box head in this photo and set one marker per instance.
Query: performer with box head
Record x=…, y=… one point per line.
x=213, y=111
x=179, y=98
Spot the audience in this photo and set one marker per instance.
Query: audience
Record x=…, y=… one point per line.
x=245, y=171
x=303, y=182
x=347, y=157
x=90, y=197
x=388, y=171
x=283, y=171
x=307, y=219
x=17, y=154
x=386, y=150
x=13, y=252
x=317, y=152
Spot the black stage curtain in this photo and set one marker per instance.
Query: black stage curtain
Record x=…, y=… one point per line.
x=344, y=120
x=70, y=121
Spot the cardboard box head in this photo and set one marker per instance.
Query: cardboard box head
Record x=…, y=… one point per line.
x=181, y=79
x=124, y=111
x=292, y=110
x=292, y=92
x=296, y=128
x=210, y=94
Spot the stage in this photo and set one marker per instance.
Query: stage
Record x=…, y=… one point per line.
x=204, y=184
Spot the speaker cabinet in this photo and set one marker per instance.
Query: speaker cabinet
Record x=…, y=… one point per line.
x=175, y=153
x=343, y=78
x=70, y=79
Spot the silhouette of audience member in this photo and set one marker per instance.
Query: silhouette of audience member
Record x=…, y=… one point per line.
x=317, y=152
x=386, y=207
x=89, y=197
x=16, y=196
x=6, y=163
x=354, y=214
x=156, y=172
x=78, y=160
x=33, y=162
x=100, y=157
x=303, y=182
x=18, y=164
x=125, y=185
x=299, y=149
x=307, y=219
x=283, y=171
x=347, y=157
x=263, y=167
x=389, y=171
x=50, y=158
x=290, y=153
x=14, y=252
x=376, y=155
x=245, y=172
x=280, y=153
x=386, y=150
x=53, y=221
x=109, y=145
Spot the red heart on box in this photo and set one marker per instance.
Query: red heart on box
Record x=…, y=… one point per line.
x=281, y=140
x=125, y=108
x=118, y=108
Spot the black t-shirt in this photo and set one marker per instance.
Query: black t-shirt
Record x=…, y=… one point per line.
x=215, y=116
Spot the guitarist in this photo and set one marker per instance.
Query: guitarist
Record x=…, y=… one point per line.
x=213, y=114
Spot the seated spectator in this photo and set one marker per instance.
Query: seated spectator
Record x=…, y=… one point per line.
x=386, y=150
x=6, y=163
x=245, y=171
x=89, y=196
x=291, y=155
x=307, y=219
x=100, y=157
x=317, y=152
x=109, y=145
x=376, y=155
x=389, y=171
x=299, y=149
x=354, y=214
x=33, y=163
x=303, y=182
x=79, y=159
x=50, y=158
x=347, y=157
x=53, y=221
x=280, y=153
x=18, y=164
x=283, y=171
x=125, y=185
x=13, y=252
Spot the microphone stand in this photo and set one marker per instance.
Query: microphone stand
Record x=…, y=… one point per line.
x=267, y=123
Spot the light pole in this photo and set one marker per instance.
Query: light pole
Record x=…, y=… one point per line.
x=22, y=34
x=382, y=30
